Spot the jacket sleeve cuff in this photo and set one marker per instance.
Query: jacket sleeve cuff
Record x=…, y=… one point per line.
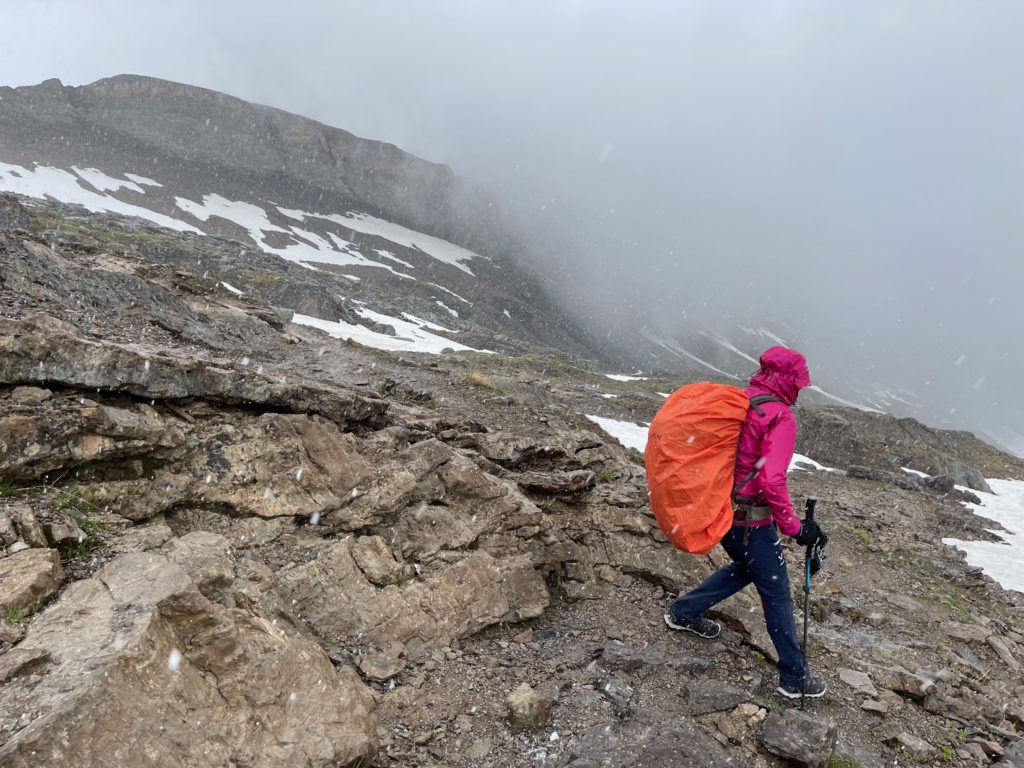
x=791, y=526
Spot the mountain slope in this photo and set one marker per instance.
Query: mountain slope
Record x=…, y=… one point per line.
x=384, y=232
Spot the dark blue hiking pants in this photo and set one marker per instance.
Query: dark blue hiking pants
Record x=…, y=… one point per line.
x=762, y=562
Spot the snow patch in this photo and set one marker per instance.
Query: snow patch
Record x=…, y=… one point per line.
x=442, y=250
x=622, y=377
x=142, y=180
x=999, y=559
x=410, y=336
x=104, y=183
x=799, y=458
x=231, y=288
x=249, y=217
x=391, y=257
x=453, y=293
x=42, y=182
x=447, y=309
x=626, y=432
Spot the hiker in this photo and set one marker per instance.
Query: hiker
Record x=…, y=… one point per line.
x=761, y=507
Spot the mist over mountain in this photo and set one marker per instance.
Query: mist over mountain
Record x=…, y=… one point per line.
x=217, y=163
x=845, y=177
x=325, y=445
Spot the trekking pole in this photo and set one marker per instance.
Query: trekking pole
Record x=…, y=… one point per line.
x=811, y=501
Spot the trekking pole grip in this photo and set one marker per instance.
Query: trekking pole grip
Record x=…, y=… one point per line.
x=811, y=502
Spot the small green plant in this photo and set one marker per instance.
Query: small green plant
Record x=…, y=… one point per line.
x=68, y=499
x=7, y=489
x=948, y=753
x=842, y=760
x=13, y=614
x=758, y=655
x=864, y=536
x=82, y=512
x=961, y=736
x=765, y=702
x=607, y=474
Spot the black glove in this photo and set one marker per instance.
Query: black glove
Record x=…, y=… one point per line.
x=809, y=534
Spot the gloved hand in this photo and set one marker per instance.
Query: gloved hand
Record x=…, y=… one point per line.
x=810, y=534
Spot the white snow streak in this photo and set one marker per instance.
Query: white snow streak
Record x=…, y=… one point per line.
x=447, y=309
x=104, y=183
x=44, y=182
x=442, y=250
x=622, y=377
x=409, y=336
x=142, y=180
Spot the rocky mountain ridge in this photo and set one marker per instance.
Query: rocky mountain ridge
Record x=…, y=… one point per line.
x=400, y=246
x=287, y=549
x=372, y=237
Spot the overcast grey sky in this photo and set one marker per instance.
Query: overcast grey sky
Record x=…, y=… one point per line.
x=854, y=170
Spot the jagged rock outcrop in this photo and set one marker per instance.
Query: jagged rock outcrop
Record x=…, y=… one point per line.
x=141, y=668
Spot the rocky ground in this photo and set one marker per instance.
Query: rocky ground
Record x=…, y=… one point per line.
x=229, y=540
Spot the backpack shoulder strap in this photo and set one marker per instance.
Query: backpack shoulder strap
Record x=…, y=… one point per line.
x=757, y=400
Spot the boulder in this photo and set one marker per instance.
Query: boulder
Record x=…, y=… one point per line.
x=961, y=473
x=8, y=533
x=706, y=696
x=974, y=633
x=528, y=710
x=28, y=527
x=619, y=691
x=940, y=483
x=30, y=395
x=63, y=532
x=860, y=682
x=145, y=671
x=902, y=681
x=919, y=749
x=619, y=656
x=799, y=738
x=28, y=579
x=646, y=741
x=332, y=594
x=1003, y=652
x=557, y=482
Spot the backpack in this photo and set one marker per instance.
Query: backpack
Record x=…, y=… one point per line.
x=691, y=460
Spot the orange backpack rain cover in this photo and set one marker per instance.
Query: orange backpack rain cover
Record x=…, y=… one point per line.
x=691, y=458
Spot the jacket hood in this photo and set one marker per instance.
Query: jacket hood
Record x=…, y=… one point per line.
x=783, y=373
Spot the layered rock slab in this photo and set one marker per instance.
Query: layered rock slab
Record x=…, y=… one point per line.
x=143, y=670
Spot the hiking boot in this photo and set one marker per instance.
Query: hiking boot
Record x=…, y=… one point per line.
x=813, y=688
x=705, y=628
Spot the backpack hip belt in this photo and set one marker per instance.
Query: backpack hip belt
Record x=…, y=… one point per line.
x=745, y=515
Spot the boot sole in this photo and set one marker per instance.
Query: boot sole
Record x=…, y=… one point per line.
x=670, y=622
x=790, y=695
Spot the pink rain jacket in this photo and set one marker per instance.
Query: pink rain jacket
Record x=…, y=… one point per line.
x=772, y=437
